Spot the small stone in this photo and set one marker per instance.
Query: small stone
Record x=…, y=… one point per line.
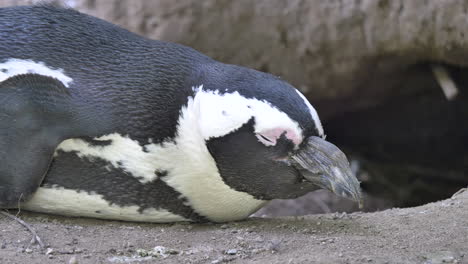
x=67, y=251
x=275, y=246
x=28, y=250
x=142, y=252
x=231, y=251
x=160, y=251
x=73, y=260
x=443, y=257
x=49, y=251
x=256, y=250
x=259, y=239
x=173, y=251
x=224, y=226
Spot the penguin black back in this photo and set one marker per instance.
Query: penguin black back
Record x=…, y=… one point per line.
x=100, y=55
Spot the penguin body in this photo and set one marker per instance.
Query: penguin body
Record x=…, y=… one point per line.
x=100, y=122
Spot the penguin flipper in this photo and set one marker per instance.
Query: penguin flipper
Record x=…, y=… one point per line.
x=34, y=112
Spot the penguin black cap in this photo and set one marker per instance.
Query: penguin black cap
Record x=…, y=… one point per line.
x=100, y=122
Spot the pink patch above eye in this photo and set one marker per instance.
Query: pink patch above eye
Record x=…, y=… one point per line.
x=270, y=137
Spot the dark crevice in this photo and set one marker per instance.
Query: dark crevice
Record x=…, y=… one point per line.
x=413, y=147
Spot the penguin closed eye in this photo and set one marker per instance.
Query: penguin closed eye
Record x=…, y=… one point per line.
x=104, y=123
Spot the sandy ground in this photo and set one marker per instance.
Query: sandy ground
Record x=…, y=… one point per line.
x=433, y=233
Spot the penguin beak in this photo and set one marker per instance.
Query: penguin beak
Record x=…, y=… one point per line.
x=326, y=166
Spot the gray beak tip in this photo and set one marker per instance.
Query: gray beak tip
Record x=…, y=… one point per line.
x=325, y=165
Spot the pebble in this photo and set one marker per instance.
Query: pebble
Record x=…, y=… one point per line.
x=442, y=257
x=337, y=215
x=49, y=251
x=257, y=250
x=66, y=251
x=231, y=251
x=73, y=260
x=259, y=239
x=224, y=226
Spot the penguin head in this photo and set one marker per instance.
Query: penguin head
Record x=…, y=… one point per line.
x=266, y=138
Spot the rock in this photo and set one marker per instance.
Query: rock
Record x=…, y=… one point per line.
x=49, y=251
x=73, y=260
x=231, y=251
x=442, y=257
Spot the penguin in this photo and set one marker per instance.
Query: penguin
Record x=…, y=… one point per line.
x=100, y=122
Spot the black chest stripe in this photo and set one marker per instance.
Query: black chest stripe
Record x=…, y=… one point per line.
x=116, y=186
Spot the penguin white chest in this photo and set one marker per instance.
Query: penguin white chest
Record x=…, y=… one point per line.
x=194, y=178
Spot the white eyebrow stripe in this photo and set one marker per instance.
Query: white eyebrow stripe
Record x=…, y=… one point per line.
x=223, y=113
x=314, y=115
